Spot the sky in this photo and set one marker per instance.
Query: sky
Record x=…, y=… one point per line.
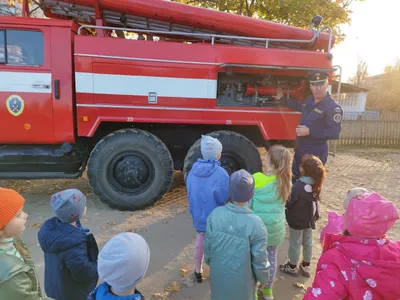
x=373, y=36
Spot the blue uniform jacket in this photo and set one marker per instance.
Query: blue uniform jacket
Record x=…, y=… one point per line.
x=70, y=260
x=324, y=119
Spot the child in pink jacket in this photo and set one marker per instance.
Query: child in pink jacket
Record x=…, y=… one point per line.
x=362, y=263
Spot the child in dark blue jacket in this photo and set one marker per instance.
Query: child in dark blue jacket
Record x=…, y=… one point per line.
x=207, y=188
x=70, y=251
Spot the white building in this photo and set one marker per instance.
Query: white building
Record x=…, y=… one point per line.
x=353, y=100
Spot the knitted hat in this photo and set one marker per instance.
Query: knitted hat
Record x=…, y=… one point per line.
x=68, y=205
x=370, y=216
x=357, y=191
x=11, y=203
x=241, y=186
x=123, y=261
x=211, y=148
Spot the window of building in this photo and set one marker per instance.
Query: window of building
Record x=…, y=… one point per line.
x=348, y=100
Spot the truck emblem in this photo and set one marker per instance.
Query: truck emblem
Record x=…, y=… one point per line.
x=15, y=105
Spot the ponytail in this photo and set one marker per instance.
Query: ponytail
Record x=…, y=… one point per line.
x=313, y=167
x=281, y=159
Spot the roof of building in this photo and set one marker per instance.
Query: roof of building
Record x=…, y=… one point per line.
x=347, y=88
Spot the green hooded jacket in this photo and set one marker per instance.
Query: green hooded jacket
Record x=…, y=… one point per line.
x=268, y=205
x=18, y=279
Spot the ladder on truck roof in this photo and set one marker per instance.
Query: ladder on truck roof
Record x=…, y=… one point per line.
x=142, y=25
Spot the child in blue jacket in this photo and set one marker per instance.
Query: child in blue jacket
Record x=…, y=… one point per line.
x=123, y=263
x=70, y=251
x=207, y=188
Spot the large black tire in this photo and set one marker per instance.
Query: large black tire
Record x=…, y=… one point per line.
x=238, y=153
x=130, y=169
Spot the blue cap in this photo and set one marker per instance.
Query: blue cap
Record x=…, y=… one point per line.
x=318, y=77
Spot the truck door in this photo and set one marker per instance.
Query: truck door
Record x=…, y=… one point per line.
x=26, y=109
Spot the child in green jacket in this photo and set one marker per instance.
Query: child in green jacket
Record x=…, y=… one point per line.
x=272, y=191
x=18, y=279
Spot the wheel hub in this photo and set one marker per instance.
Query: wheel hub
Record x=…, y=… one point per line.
x=229, y=163
x=131, y=172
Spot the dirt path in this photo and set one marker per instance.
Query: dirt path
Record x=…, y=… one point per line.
x=167, y=226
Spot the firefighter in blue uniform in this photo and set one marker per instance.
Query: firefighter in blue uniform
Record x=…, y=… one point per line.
x=321, y=120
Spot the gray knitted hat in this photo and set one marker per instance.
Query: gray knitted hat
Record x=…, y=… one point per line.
x=123, y=261
x=68, y=205
x=211, y=147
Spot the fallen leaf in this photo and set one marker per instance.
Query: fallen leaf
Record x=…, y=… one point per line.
x=111, y=223
x=103, y=227
x=157, y=295
x=299, y=285
x=206, y=272
x=173, y=287
x=185, y=270
x=35, y=225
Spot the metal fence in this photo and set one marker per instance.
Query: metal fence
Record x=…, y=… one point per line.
x=366, y=115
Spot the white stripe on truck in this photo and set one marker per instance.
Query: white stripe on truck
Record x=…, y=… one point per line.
x=110, y=84
x=25, y=82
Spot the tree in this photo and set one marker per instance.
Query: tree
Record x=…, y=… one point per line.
x=12, y=3
x=361, y=74
x=291, y=12
x=14, y=8
x=384, y=91
x=395, y=66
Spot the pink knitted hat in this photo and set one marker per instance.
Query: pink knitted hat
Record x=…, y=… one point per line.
x=370, y=216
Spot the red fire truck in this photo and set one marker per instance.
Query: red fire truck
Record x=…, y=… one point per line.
x=126, y=88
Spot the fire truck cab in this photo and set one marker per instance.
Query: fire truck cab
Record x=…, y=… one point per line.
x=125, y=90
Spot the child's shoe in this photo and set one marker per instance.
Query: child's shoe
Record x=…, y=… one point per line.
x=198, y=276
x=267, y=293
x=288, y=269
x=305, y=269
